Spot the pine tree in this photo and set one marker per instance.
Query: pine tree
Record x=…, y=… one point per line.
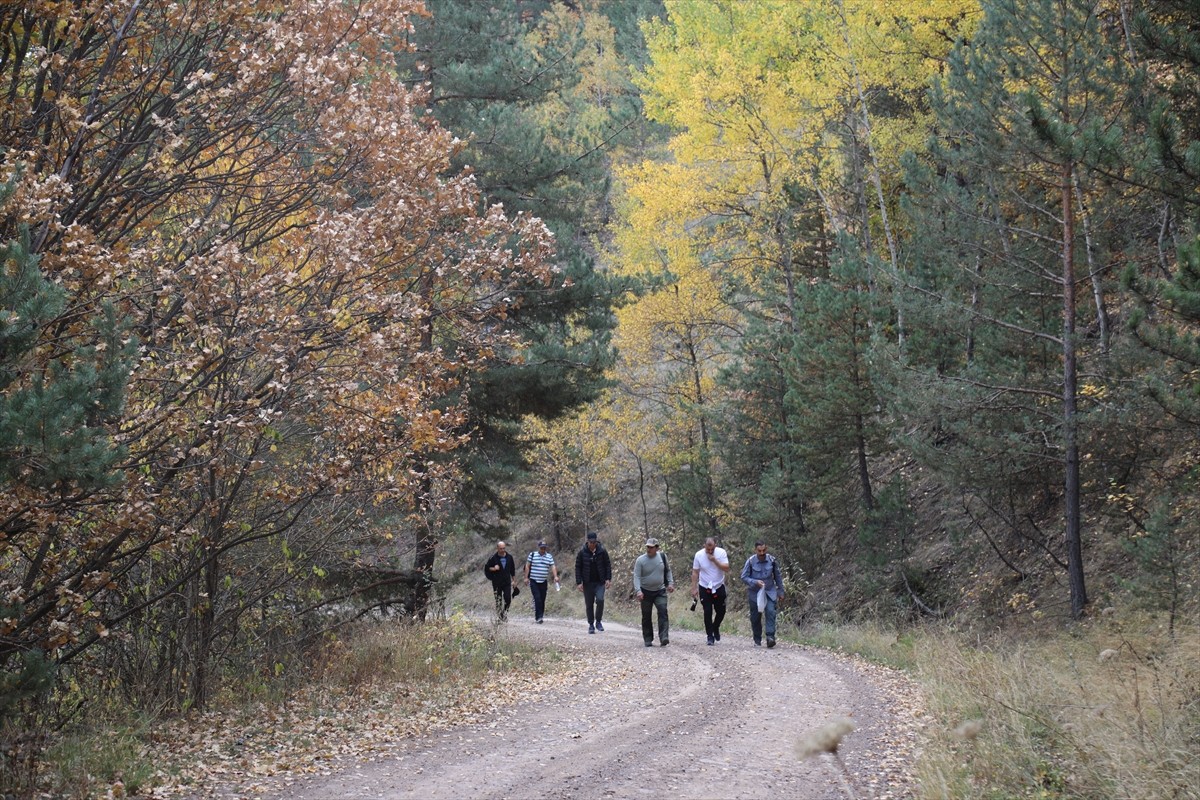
x=1169, y=320
x=53, y=404
x=510, y=79
x=1025, y=108
x=55, y=400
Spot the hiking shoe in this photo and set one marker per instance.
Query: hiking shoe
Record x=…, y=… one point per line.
x=591, y=629
x=599, y=627
x=711, y=641
x=717, y=635
x=770, y=641
x=649, y=644
x=664, y=643
x=757, y=643
x=538, y=620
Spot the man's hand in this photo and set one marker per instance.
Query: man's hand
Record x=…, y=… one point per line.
x=607, y=584
x=579, y=586
x=695, y=593
x=760, y=584
x=671, y=588
x=639, y=595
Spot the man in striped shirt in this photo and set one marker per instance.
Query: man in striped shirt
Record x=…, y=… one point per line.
x=538, y=567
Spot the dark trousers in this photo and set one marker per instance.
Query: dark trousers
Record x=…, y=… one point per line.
x=538, y=590
x=651, y=601
x=503, y=598
x=593, y=601
x=714, y=609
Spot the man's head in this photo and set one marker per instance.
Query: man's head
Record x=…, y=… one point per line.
x=651, y=546
x=501, y=547
x=592, y=540
x=541, y=547
x=710, y=544
x=760, y=548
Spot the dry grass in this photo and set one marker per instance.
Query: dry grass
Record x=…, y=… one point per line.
x=376, y=684
x=1110, y=709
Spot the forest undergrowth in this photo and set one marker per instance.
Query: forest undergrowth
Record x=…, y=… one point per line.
x=1108, y=708
x=370, y=687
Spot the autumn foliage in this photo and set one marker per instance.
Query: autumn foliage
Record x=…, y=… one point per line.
x=251, y=221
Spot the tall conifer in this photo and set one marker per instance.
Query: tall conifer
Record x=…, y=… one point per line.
x=1026, y=106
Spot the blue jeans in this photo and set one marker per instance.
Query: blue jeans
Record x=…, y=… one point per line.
x=593, y=601
x=538, y=590
x=756, y=623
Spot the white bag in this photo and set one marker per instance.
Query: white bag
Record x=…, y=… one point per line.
x=762, y=599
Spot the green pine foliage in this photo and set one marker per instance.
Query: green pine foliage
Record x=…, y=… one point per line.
x=54, y=399
x=1029, y=115
x=58, y=392
x=508, y=83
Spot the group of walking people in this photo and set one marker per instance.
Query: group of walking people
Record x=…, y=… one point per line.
x=653, y=581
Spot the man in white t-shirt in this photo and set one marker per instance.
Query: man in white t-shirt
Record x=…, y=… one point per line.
x=708, y=585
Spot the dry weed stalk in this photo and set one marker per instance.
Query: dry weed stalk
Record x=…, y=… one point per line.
x=969, y=729
x=825, y=740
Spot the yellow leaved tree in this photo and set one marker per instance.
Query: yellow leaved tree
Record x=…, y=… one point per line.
x=788, y=119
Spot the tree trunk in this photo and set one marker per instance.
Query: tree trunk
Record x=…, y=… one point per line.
x=864, y=468
x=710, y=492
x=198, y=691
x=426, y=551
x=1102, y=319
x=1070, y=388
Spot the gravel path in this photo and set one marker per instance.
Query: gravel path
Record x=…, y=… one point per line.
x=686, y=720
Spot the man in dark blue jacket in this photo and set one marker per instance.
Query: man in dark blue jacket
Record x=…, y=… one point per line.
x=593, y=574
x=500, y=569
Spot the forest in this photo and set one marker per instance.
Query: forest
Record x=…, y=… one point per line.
x=305, y=304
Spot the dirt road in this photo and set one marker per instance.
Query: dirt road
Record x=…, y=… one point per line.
x=687, y=720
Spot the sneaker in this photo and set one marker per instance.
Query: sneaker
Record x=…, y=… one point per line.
x=757, y=643
x=770, y=641
x=599, y=627
x=649, y=644
x=717, y=635
x=538, y=620
x=711, y=641
x=664, y=643
x=591, y=629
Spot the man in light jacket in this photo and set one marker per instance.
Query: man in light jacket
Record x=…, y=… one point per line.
x=708, y=586
x=652, y=581
x=762, y=572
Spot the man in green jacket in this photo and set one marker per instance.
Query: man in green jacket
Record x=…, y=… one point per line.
x=652, y=581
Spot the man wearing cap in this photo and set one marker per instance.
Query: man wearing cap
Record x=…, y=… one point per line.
x=762, y=572
x=593, y=574
x=501, y=569
x=652, y=581
x=538, y=567
x=708, y=586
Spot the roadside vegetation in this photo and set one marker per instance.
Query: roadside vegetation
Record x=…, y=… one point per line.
x=362, y=691
x=1107, y=709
